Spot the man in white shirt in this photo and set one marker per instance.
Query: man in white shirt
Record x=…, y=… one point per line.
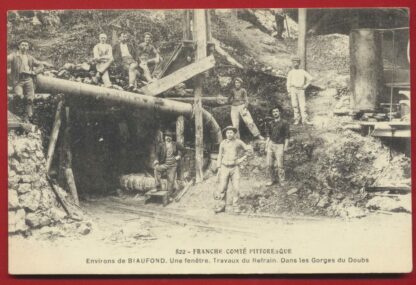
x=297, y=81
x=103, y=55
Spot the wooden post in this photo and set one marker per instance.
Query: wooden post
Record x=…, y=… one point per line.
x=187, y=35
x=200, y=36
x=208, y=23
x=180, y=129
x=54, y=136
x=302, y=36
x=180, y=138
x=69, y=175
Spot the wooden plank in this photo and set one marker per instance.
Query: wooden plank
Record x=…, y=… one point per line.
x=396, y=189
x=377, y=124
x=183, y=74
x=394, y=133
x=184, y=191
x=72, y=213
x=227, y=56
x=54, y=136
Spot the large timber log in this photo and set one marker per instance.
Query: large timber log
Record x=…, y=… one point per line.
x=70, y=88
x=366, y=69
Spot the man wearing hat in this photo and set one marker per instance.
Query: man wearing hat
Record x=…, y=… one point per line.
x=168, y=153
x=239, y=107
x=228, y=162
x=22, y=71
x=124, y=54
x=147, y=51
x=297, y=81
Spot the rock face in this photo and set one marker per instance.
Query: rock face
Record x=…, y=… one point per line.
x=31, y=201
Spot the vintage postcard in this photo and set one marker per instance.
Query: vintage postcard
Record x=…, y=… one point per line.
x=221, y=141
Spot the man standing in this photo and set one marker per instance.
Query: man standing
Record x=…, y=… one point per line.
x=125, y=54
x=228, y=166
x=279, y=17
x=297, y=81
x=168, y=153
x=21, y=74
x=277, y=142
x=103, y=55
x=239, y=107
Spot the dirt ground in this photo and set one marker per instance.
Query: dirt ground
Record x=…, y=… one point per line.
x=120, y=231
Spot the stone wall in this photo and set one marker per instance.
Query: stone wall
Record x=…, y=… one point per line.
x=32, y=203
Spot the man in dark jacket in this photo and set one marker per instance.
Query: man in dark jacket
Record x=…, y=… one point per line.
x=125, y=54
x=168, y=153
x=22, y=69
x=277, y=143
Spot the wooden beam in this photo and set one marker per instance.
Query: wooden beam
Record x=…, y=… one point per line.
x=209, y=101
x=302, y=36
x=200, y=36
x=69, y=175
x=183, y=74
x=54, y=136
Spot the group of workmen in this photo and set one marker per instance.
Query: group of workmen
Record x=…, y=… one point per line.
x=136, y=61
x=230, y=150
x=23, y=67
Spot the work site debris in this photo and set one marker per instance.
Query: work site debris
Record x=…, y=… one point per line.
x=400, y=203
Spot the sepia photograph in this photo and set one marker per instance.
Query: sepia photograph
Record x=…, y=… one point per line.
x=209, y=141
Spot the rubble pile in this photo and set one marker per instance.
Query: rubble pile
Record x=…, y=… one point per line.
x=326, y=52
x=327, y=176
x=32, y=203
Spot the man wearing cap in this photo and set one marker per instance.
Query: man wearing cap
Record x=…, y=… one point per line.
x=125, y=54
x=277, y=142
x=297, y=81
x=239, y=107
x=168, y=153
x=228, y=162
x=21, y=74
x=103, y=55
x=148, y=51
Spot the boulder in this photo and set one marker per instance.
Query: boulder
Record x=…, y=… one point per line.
x=353, y=212
x=84, y=229
x=37, y=220
x=17, y=221
x=329, y=92
x=30, y=200
x=391, y=204
x=292, y=191
x=24, y=188
x=13, y=200
x=224, y=81
x=323, y=202
x=56, y=214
